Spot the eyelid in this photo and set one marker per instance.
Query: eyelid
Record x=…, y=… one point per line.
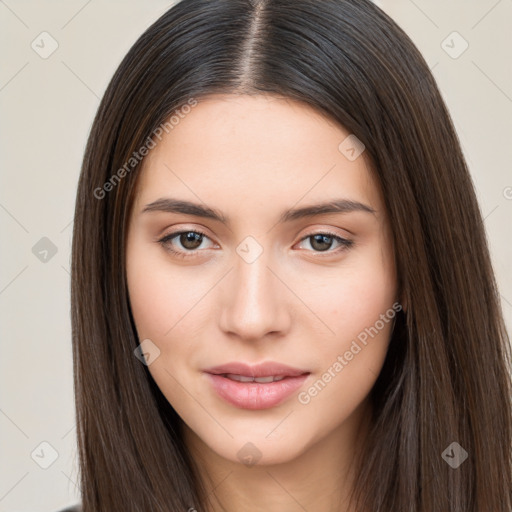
x=345, y=243
x=174, y=234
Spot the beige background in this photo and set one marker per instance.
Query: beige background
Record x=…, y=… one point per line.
x=47, y=106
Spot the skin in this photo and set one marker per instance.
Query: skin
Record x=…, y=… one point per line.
x=252, y=157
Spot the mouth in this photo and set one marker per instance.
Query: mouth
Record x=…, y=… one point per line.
x=261, y=380
x=256, y=387
x=262, y=370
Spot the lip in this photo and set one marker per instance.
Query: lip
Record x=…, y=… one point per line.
x=268, y=369
x=256, y=395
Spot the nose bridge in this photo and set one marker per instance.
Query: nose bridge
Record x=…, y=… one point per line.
x=254, y=305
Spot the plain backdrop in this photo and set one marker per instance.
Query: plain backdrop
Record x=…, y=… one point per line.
x=47, y=106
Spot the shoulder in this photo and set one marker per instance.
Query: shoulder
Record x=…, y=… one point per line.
x=74, y=508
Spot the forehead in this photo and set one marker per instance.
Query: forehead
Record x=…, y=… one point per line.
x=255, y=151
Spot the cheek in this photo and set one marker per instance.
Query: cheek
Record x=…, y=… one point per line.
x=353, y=297
x=167, y=309
x=357, y=306
x=170, y=306
x=348, y=362
x=161, y=296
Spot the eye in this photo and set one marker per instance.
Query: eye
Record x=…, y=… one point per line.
x=190, y=240
x=323, y=241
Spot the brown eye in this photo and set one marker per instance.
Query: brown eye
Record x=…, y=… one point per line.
x=322, y=242
x=190, y=242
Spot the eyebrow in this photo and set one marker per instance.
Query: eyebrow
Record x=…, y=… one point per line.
x=171, y=205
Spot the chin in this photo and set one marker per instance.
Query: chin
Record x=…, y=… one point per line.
x=257, y=447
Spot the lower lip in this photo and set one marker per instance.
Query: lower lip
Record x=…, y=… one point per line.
x=255, y=395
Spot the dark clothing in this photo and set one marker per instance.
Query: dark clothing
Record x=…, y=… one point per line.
x=74, y=508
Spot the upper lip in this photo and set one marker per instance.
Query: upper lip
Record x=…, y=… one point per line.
x=269, y=369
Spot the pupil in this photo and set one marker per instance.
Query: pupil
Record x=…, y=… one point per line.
x=325, y=239
x=192, y=239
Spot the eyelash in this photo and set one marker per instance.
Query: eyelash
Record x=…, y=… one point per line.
x=344, y=243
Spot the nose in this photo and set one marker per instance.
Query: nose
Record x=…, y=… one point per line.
x=255, y=301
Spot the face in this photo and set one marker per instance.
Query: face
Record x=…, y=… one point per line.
x=231, y=260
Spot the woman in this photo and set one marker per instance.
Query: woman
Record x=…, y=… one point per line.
x=282, y=296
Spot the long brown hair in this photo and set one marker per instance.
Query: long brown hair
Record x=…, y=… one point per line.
x=446, y=377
